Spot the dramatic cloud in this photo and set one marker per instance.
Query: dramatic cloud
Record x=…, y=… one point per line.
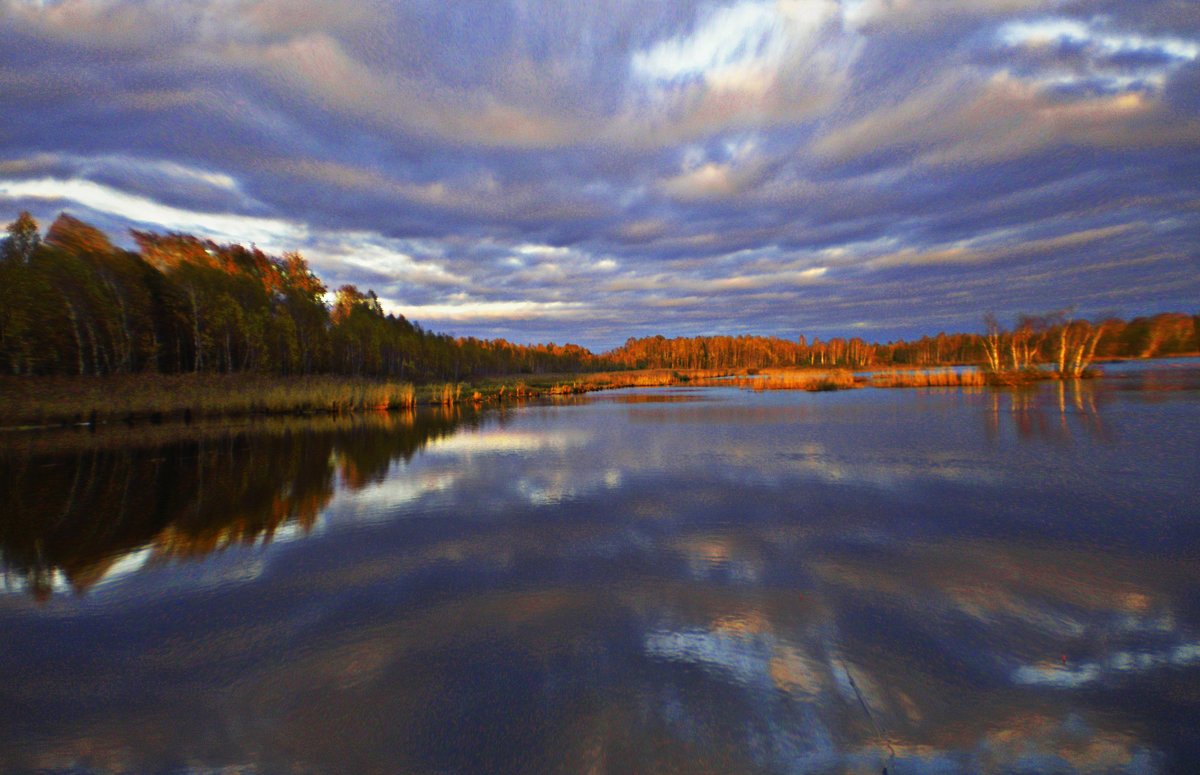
x=597, y=170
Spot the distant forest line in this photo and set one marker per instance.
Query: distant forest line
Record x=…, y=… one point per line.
x=72, y=302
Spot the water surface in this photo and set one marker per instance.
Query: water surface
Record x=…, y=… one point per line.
x=684, y=580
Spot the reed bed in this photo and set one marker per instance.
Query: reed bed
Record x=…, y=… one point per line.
x=163, y=397
x=804, y=380
x=791, y=379
x=1021, y=377
x=929, y=378
x=136, y=399
x=59, y=401
x=647, y=378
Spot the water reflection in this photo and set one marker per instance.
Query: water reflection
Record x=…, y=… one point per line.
x=756, y=582
x=80, y=506
x=1056, y=412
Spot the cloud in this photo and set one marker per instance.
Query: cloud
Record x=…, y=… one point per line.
x=666, y=167
x=904, y=16
x=271, y=233
x=964, y=118
x=1057, y=32
x=382, y=258
x=318, y=67
x=737, y=47
x=715, y=286
x=751, y=63
x=999, y=247
x=468, y=310
x=707, y=180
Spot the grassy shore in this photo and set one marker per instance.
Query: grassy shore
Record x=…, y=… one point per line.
x=57, y=401
x=137, y=399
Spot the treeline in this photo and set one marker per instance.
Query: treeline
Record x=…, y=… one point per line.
x=1055, y=339
x=741, y=352
x=74, y=303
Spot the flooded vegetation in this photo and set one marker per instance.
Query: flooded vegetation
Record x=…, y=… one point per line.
x=700, y=578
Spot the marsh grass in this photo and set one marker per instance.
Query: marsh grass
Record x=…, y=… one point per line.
x=804, y=380
x=929, y=378
x=1018, y=378
x=785, y=379
x=165, y=397
x=155, y=398
x=649, y=378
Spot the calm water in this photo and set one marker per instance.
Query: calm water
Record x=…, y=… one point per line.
x=710, y=580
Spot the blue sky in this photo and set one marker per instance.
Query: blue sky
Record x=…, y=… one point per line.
x=590, y=171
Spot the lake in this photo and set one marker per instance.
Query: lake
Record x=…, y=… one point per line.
x=685, y=580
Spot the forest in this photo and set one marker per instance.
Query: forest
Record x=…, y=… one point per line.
x=73, y=303
x=1056, y=339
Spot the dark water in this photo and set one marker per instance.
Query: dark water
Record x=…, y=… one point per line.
x=711, y=580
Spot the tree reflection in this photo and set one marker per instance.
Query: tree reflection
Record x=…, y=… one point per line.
x=1056, y=413
x=77, y=504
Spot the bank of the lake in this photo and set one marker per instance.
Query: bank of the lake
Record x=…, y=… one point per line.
x=62, y=401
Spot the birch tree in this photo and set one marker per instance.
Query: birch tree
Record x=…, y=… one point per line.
x=1077, y=340
x=992, y=339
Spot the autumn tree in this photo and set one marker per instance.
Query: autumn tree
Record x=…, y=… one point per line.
x=302, y=343
x=112, y=293
x=22, y=239
x=16, y=294
x=358, y=328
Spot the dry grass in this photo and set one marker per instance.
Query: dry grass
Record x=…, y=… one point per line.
x=1021, y=378
x=64, y=400
x=649, y=378
x=929, y=378
x=806, y=380
x=783, y=379
x=53, y=401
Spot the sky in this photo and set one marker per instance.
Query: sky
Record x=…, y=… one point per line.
x=594, y=170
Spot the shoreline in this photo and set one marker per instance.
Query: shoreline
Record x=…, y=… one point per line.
x=37, y=403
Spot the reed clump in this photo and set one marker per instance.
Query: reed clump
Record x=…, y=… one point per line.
x=839, y=379
x=1018, y=377
x=929, y=378
x=609, y=380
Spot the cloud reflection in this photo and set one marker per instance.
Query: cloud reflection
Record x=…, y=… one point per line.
x=641, y=593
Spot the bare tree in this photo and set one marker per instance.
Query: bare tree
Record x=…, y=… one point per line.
x=1077, y=340
x=992, y=338
x=1027, y=339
